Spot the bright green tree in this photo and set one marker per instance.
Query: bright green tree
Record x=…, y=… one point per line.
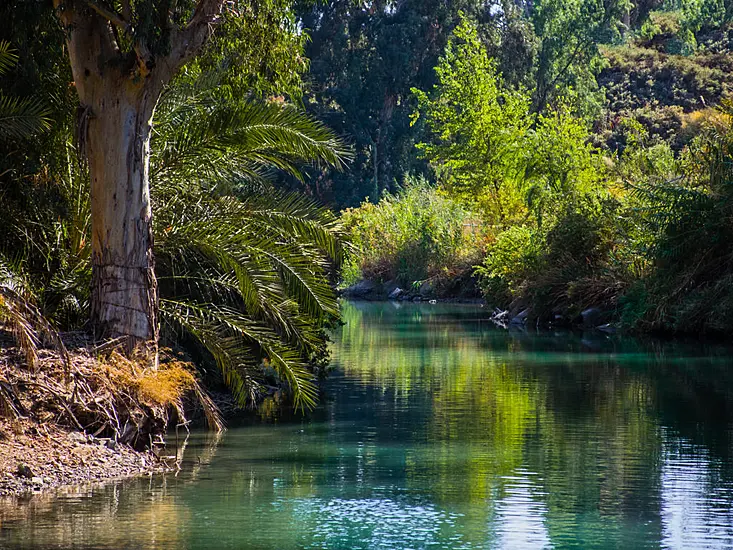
x=477, y=128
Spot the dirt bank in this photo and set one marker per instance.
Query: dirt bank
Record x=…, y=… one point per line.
x=36, y=457
x=82, y=413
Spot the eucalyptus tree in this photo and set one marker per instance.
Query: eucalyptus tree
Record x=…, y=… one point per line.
x=123, y=53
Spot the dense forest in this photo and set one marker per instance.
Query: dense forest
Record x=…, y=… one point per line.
x=193, y=180
x=567, y=157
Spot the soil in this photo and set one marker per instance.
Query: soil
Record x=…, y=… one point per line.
x=36, y=457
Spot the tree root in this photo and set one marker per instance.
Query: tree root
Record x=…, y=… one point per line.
x=107, y=395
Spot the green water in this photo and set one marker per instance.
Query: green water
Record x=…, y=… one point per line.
x=440, y=431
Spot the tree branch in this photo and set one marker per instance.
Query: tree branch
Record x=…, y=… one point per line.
x=186, y=42
x=112, y=16
x=142, y=52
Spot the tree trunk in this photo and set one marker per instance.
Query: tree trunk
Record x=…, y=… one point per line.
x=124, y=299
x=119, y=83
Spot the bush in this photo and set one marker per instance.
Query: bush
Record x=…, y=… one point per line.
x=689, y=241
x=570, y=266
x=416, y=235
x=511, y=260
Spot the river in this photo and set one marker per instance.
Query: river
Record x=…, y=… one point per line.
x=439, y=430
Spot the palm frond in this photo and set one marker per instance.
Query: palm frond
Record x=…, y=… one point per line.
x=18, y=310
x=247, y=279
x=213, y=142
x=242, y=348
x=8, y=58
x=21, y=118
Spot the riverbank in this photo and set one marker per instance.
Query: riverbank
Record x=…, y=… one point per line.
x=461, y=289
x=36, y=457
x=81, y=413
x=602, y=317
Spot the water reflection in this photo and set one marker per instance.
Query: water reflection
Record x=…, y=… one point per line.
x=439, y=431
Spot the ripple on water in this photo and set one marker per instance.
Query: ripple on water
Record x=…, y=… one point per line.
x=379, y=523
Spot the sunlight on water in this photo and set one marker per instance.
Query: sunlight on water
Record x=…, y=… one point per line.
x=439, y=431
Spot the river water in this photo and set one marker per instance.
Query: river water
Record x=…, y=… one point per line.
x=439, y=430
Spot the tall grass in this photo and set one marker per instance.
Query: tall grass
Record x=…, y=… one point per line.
x=419, y=234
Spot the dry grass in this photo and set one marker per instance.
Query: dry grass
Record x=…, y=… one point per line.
x=105, y=393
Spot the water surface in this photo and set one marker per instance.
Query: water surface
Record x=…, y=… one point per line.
x=440, y=431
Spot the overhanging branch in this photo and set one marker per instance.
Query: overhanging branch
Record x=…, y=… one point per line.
x=187, y=41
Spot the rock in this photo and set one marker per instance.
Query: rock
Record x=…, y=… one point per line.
x=520, y=318
x=389, y=286
x=396, y=293
x=77, y=437
x=608, y=328
x=500, y=314
x=363, y=290
x=591, y=317
x=426, y=290
x=36, y=480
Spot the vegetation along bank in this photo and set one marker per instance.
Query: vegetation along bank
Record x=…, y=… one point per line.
x=602, y=200
x=184, y=186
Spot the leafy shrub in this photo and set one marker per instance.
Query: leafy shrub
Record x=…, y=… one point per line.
x=416, y=235
x=567, y=267
x=665, y=23
x=640, y=78
x=690, y=239
x=511, y=260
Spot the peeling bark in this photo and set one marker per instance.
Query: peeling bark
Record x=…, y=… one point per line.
x=124, y=290
x=118, y=92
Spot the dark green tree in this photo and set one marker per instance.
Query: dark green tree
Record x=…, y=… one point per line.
x=364, y=59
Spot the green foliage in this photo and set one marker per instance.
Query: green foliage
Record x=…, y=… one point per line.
x=207, y=140
x=244, y=270
x=477, y=127
x=364, y=59
x=489, y=150
x=568, y=57
x=697, y=14
x=661, y=23
x=247, y=279
x=560, y=164
x=603, y=62
x=687, y=219
x=510, y=261
x=257, y=52
x=569, y=266
x=19, y=118
x=416, y=235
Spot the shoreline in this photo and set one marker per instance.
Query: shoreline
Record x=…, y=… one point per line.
x=38, y=457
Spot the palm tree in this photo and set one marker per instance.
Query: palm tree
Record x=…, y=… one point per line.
x=19, y=117
x=243, y=269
